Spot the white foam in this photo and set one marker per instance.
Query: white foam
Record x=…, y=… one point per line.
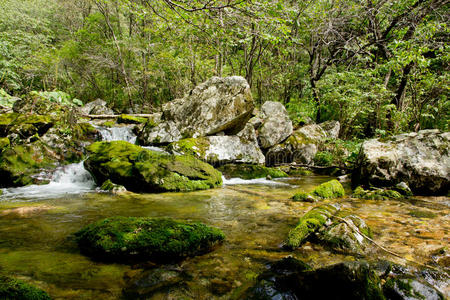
x=67, y=180
x=122, y=133
x=260, y=181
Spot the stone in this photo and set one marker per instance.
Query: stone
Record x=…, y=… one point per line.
x=144, y=170
x=96, y=107
x=143, y=238
x=347, y=280
x=331, y=128
x=217, y=105
x=345, y=234
x=312, y=221
x=376, y=194
x=329, y=189
x=17, y=289
x=112, y=188
x=421, y=160
x=219, y=150
x=276, y=124
x=406, y=287
x=301, y=147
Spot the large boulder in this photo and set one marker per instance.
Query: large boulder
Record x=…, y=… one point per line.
x=131, y=238
x=97, y=107
x=331, y=128
x=217, y=105
x=301, y=147
x=143, y=170
x=217, y=150
x=421, y=160
x=276, y=125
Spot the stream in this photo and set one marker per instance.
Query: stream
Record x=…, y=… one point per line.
x=37, y=225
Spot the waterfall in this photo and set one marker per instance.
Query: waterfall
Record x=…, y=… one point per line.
x=122, y=133
x=66, y=180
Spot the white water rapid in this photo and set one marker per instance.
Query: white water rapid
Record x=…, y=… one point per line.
x=66, y=180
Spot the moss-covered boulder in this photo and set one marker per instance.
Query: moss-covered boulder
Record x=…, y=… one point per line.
x=131, y=238
x=302, y=196
x=247, y=171
x=329, y=189
x=4, y=144
x=143, y=170
x=19, y=163
x=376, y=194
x=128, y=119
x=14, y=289
x=113, y=188
x=24, y=125
x=308, y=224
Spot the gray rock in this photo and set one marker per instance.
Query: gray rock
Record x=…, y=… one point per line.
x=219, y=104
x=276, y=125
x=421, y=160
x=97, y=107
x=331, y=128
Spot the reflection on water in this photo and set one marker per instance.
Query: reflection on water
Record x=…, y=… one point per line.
x=36, y=242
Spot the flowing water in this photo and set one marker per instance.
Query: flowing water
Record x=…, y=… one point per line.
x=37, y=225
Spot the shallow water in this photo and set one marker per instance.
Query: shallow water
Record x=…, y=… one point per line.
x=36, y=242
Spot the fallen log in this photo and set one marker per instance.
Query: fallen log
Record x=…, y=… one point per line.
x=295, y=165
x=116, y=116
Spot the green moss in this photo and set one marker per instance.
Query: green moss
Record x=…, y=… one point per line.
x=324, y=158
x=247, y=171
x=20, y=123
x=422, y=214
x=18, y=163
x=330, y=189
x=123, y=238
x=309, y=223
x=127, y=119
x=4, y=143
x=377, y=194
x=299, y=172
x=108, y=124
x=140, y=169
x=18, y=290
x=192, y=146
x=301, y=196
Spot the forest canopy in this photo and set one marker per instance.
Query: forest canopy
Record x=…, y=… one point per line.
x=378, y=66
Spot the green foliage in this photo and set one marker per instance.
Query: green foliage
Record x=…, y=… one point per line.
x=125, y=238
x=14, y=289
x=324, y=158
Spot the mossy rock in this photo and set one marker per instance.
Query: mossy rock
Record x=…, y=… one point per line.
x=329, y=189
x=143, y=170
x=111, y=187
x=19, y=163
x=408, y=287
x=376, y=194
x=131, y=238
x=88, y=132
x=299, y=172
x=308, y=224
x=4, y=144
x=127, y=119
x=14, y=289
x=422, y=214
x=302, y=196
x=191, y=146
x=247, y=171
x=25, y=125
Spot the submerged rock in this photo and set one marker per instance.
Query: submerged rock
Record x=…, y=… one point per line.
x=130, y=238
x=143, y=170
x=14, y=289
x=246, y=171
x=347, y=233
x=347, y=280
x=421, y=160
x=153, y=281
x=217, y=105
x=276, y=125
